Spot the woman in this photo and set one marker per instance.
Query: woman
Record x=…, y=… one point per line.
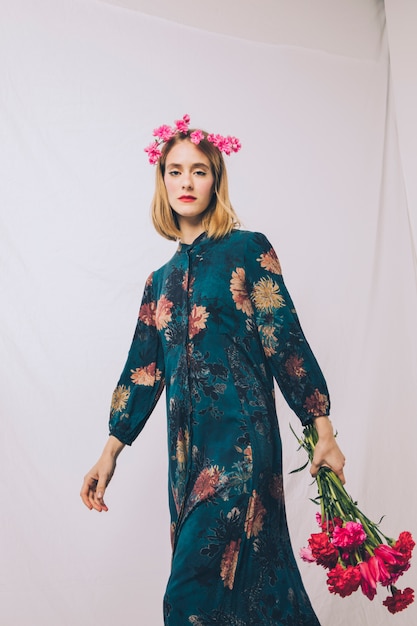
x=216, y=325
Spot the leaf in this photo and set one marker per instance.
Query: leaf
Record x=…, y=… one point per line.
x=299, y=469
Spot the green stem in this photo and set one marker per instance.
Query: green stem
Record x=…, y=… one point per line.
x=334, y=500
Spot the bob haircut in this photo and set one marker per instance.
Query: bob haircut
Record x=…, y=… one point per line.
x=219, y=219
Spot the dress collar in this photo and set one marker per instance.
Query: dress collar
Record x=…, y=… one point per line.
x=184, y=247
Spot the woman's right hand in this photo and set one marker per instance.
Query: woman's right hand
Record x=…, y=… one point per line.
x=99, y=476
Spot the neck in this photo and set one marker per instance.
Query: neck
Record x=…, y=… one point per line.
x=190, y=232
x=191, y=238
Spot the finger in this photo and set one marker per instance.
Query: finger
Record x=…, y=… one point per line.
x=92, y=494
x=99, y=496
x=341, y=475
x=85, y=492
x=338, y=469
x=314, y=469
x=95, y=503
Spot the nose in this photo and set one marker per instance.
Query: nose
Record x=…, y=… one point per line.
x=187, y=182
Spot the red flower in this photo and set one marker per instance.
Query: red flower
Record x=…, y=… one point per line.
x=328, y=525
x=384, y=575
x=405, y=544
x=322, y=550
x=351, y=546
x=370, y=576
x=344, y=581
x=388, y=554
x=397, y=558
x=399, y=600
x=393, y=562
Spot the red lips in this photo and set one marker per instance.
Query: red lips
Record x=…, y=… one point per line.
x=187, y=198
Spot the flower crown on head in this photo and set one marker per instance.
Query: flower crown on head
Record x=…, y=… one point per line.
x=164, y=133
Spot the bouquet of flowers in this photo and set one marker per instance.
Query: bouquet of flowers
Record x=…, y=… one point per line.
x=349, y=545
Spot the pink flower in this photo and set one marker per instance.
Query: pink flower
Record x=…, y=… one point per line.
x=182, y=125
x=153, y=152
x=212, y=138
x=307, y=555
x=196, y=136
x=165, y=133
x=234, y=144
x=224, y=145
x=351, y=535
x=227, y=144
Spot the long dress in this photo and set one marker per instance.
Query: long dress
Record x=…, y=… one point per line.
x=215, y=326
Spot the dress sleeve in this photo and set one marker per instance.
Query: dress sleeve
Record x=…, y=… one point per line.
x=287, y=351
x=142, y=380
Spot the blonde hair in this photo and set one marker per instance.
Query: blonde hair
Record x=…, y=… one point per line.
x=219, y=218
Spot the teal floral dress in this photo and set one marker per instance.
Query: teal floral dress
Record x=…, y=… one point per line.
x=215, y=327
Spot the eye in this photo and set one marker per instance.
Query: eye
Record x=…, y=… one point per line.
x=174, y=173
x=200, y=173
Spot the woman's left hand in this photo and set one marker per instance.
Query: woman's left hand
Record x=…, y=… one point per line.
x=327, y=452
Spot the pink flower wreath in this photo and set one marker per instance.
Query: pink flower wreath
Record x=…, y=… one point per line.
x=164, y=133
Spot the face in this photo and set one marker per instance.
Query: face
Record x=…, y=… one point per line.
x=189, y=182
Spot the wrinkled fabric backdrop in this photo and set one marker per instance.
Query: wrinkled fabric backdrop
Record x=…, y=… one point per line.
x=323, y=97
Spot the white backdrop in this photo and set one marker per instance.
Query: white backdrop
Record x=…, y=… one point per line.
x=327, y=171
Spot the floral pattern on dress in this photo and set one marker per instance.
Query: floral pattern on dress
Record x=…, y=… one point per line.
x=216, y=325
x=197, y=320
x=120, y=397
x=255, y=514
x=270, y=262
x=147, y=375
x=239, y=291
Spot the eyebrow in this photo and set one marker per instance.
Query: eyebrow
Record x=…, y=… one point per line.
x=179, y=165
